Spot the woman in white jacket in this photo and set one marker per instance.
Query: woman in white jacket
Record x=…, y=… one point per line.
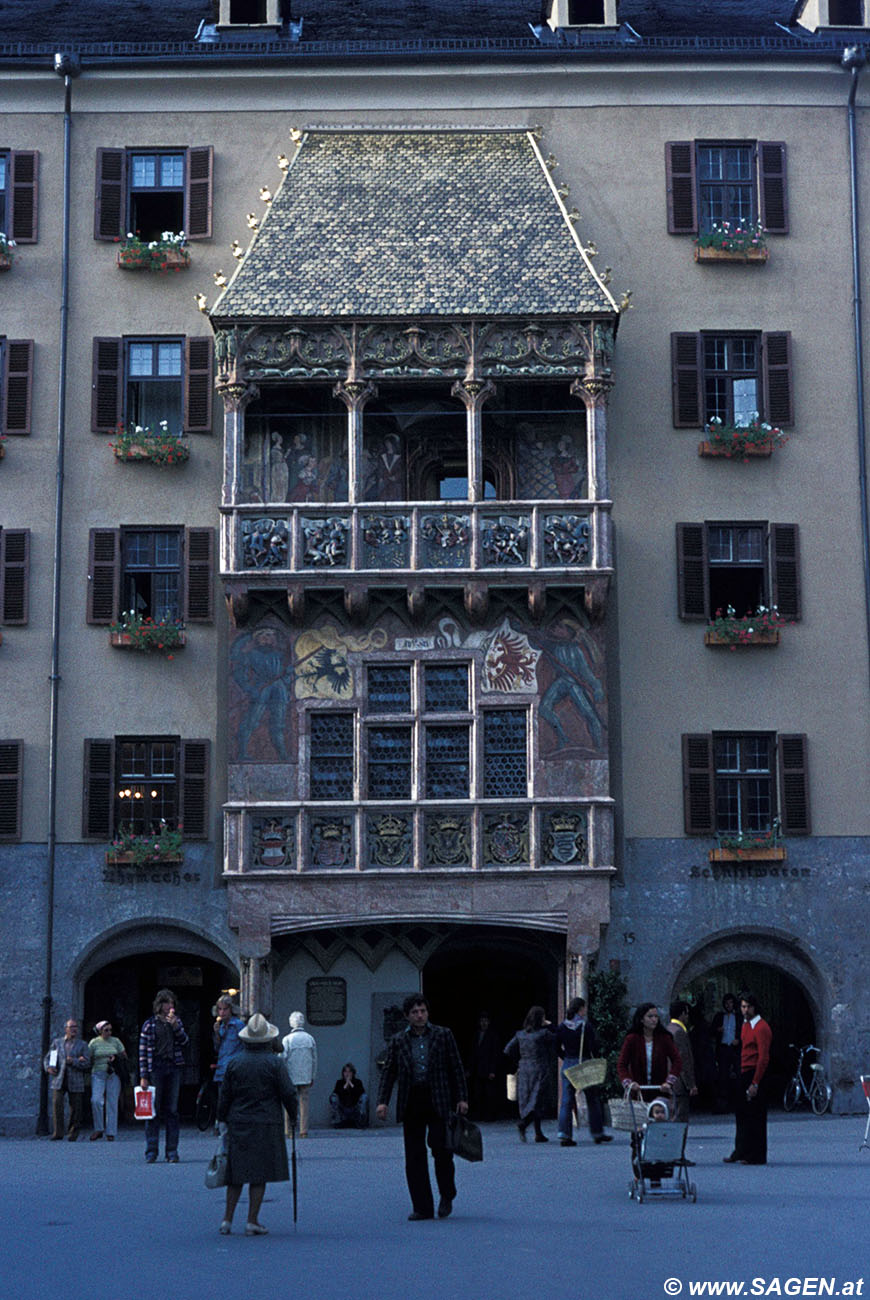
x=300, y=1057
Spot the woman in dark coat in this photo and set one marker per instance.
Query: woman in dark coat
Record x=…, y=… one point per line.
x=649, y=1054
x=531, y=1052
x=255, y=1092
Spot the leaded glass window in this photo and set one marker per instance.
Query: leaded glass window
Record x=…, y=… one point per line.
x=389, y=689
x=332, y=766
x=505, y=771
x=447, y=762
x=446, y=688
x=389, y=757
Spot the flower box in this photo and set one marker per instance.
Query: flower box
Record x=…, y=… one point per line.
x=129, y=860
x=773, y=853
x=2, y=451
x=131, y=641
x=755, y=256
x=5, y=261
x=757, y=636
x=170, y=259
x=724, y=453
x=144, y=443
x=176, y=455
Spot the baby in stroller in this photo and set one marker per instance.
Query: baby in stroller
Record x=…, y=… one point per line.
x=658, y=1147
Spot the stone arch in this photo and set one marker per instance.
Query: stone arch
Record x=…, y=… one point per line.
x=133, y=938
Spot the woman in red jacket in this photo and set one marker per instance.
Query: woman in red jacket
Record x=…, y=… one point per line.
x=649, y=1054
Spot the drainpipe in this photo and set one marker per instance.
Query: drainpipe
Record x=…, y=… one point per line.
x=66, y=65
x=853, y=60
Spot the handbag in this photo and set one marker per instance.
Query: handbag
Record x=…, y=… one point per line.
x=586, y=1074
x=119, y=1066
x=216, y=1168
x=510, y=1081
x=464, y=1138
x=144, y=1099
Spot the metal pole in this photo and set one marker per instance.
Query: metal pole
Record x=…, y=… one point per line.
x=66, y=66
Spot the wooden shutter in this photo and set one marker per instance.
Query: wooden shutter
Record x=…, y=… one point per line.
x=98, y=801
x=11, y=754
x=776, y=355
x=193, y=796
x=198, y=600
x=104, y=574
x=14, y=575
x=785, y=570
x=682, y=193
x=794, y=792
x=17, y=385
x=693, y=575
x=198, y=193
x=686, y=376
x=111, y=202
x=23, y=223
x=698, y=785
x=107, y=405
x=772, y=191
x=198, y=384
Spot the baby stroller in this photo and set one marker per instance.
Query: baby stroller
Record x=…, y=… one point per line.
x=658, y=1152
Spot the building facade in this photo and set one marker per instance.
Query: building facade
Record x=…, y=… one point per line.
x=406, y=639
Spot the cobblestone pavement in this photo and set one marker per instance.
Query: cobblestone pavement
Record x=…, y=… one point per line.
x=549, y=1222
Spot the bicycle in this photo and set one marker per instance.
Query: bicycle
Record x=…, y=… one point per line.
x=205, y=1108
x=819, y=1092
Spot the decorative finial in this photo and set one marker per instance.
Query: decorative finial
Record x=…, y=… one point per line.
x=201, y=301
x=626, y=304
x=283, y=162
x=237, y=251
x=220, y=279
x=295, y=135
x=265, y=194
x=253, y=221
x=551, y=161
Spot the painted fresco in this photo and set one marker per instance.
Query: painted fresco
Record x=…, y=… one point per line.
x=294, y=459
x=261, y=722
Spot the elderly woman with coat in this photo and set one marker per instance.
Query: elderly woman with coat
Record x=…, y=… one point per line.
x=255, y=1092
x=531, y=1052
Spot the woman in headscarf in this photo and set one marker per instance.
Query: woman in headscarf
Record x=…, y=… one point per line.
x=255, y=1092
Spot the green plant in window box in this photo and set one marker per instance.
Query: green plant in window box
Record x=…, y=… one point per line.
x=759, y=628
x=6, y=255
x=160, y=636
x=738, y=241
x=740, y=441
x=158, y=446
x=141, y=850
x=168, y=253
x=751, y=844
x=2, y=445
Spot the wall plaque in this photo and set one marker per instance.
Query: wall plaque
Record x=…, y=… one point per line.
x=326, y=1000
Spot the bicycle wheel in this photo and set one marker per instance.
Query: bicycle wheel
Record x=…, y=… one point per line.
x=792, y=1095
x=204, y=1112
x=820, y=1093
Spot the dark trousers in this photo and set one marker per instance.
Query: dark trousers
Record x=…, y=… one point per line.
x=750, y=1143
x=166, y=1082
x=419, y=1118
x=76, y=1109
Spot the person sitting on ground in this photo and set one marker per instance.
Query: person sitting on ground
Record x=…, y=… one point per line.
x=349, y=1103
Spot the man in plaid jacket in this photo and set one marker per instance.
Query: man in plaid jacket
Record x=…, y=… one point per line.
x=425, y=1060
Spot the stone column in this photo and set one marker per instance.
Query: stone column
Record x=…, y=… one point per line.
x=473, y=393
x=354, y=393
x=592, y=390
x=256, y=993
x=236, y=395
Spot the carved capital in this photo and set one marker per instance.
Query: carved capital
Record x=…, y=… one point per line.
x=354, y=392
x=472, y=392
x=592, y=389
x=236, y=394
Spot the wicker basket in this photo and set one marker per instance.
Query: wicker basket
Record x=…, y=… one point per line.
x=588, y=1074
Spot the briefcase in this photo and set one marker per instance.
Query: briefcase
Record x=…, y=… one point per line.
x=464, y=1139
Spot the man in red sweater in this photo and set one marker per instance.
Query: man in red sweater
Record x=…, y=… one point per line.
x=750, y=1141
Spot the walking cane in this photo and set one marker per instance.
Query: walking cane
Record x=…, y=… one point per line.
x=293, y=1166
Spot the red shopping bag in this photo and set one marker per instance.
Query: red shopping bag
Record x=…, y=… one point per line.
x=144, y=1103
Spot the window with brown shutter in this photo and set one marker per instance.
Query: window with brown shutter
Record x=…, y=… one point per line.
x=143, y=782
x=731, y=377
x=145, y=191
x=739, y=181
x=11, y=759
x=22, y=224
x=104, y=574
x=739, y=564
x=17, y=364
x=199, y=385
x=199, y=604
x=14, y=575
x=740, y=782
x=794, y=793
x=107, y=385
x=698, y=810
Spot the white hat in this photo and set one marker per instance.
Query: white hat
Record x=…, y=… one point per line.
x=258, y=1030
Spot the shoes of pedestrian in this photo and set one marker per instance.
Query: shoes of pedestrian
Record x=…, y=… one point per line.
x=255, y=1230
x=225, y=1228
x=109, y=1137
x=172, y=1159
x=567, y=1142
x=445, y=1206
x=521, y=1129
x=752, y=1162
x=540, y=1137
x=415, y=1217
x=733, y=1159
x=95, y=1137
x=603, y=1137
x=150, y=1158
